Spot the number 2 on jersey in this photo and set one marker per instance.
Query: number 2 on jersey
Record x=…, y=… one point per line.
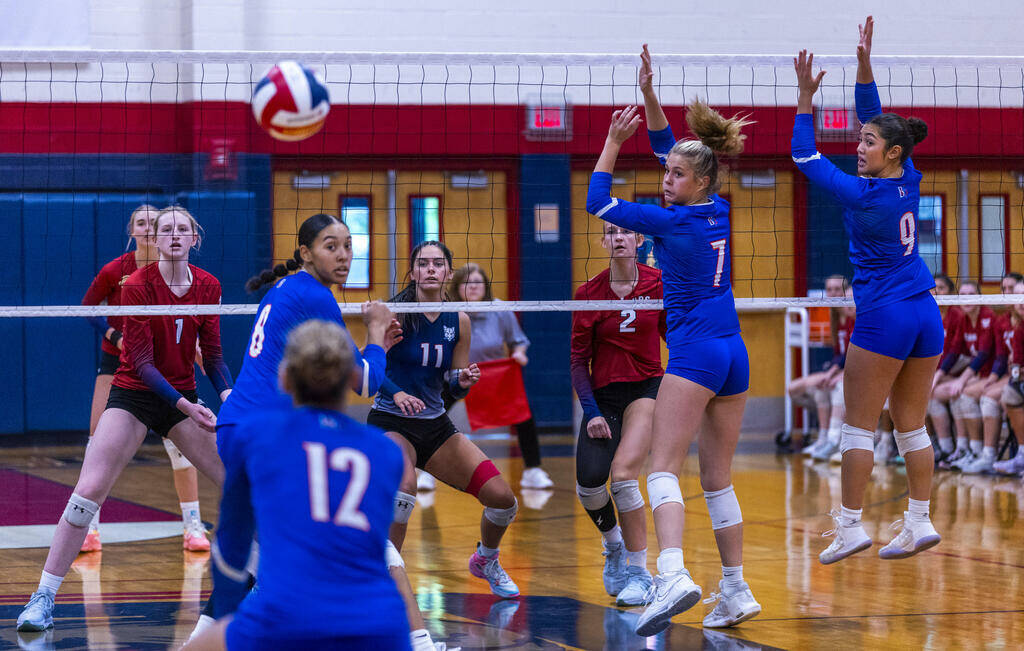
x=628, y=317
x=342, y=460
x=719, y=245
x=907, y=228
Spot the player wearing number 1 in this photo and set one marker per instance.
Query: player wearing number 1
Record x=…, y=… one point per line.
x=898, y=335
x=154, y=389
x=320, y=488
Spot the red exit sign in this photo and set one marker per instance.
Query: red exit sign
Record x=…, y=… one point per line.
x=548, y=122
x=548, y=117
x=837, y=124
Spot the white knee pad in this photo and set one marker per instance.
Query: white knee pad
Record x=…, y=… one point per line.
x=662, y=488
x=723, y=507
x=404, y=504
x=592, y=499
x=502, y=517
x=627, y=495
x=855, y=438
x=990, y=407
x=79, y=510
x=392, y=557
x=936, y=408
x=910, y=441
x=968, y=407
x=836, y=396
x=178, y=460
x=1011, y=397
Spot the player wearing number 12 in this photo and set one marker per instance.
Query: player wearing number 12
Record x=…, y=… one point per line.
x=898, y=335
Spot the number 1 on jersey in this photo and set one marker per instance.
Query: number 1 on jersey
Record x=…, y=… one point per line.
x=719, y=245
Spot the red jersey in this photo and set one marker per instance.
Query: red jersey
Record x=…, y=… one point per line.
x=974, y=338
x=843, y=334
x=107, y=287
x=619, y=346
x=1015, y=342
x=950, y=323
x=168, y=341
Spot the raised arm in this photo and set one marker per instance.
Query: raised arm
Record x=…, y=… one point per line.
x=656, y=120
x=865, y=94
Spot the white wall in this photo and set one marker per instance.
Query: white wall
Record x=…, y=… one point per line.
x=916, y=27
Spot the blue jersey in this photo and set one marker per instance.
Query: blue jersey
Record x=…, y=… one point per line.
x=290, y=302
x=420, y=362
x=880, y=216
x=691, y=244
x=321, y=488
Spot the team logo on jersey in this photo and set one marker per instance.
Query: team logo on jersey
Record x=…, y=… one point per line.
x=449, y=333
x=985, y=322
x=124, y=279
x=902, y=191
x=711, y=221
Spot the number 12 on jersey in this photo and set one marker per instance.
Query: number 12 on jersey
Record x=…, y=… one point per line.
x=342, y=460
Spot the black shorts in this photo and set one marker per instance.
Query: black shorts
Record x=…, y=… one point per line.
x=614, y=398
x=594, y=456
x=426, y=435
x=108, y=363
x=151, y=410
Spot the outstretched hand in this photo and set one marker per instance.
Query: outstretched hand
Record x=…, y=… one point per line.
x=624, y=124
x=867, y=30
x=646, y=75
x=806, y=80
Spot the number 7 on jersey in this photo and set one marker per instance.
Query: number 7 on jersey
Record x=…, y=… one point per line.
x=719, y=245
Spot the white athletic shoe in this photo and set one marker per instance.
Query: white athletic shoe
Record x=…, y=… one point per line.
x=884, y=449
x=1012, y=466
x=836, y=459
x=37, y=614
x=964, y=460
x=982, y=465
x=813, y=447
x=614, y=573
x=734, y=605
x=825, y=451
x=849, y=541
x=535, y=478
x=916, y=536
x=205, y=622
x=670, y=594
x=954, y=457
x=638, y=582
x=425, y=481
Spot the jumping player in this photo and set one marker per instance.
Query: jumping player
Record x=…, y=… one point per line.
x=320, y=488
x=616, y=370
x=153, y=389
x=106, y=288
x=434, y=351
x=898, y=336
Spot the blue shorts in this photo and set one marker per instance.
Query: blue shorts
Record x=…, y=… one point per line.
x=719, y=364
x=237, y=639
x=908, y=328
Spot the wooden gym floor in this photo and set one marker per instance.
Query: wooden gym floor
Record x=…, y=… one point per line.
x=966, y=592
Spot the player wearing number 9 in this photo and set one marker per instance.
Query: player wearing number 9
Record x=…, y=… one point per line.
x=319, y=488
x=898, y=336
x=708, y=370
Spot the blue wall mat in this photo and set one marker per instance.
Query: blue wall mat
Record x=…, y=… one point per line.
x=12, y=331
x=545, y=275
x=827, y=244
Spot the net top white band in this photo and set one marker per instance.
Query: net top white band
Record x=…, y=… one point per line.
x=742, y=305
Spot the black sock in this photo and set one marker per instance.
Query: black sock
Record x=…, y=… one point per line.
x=529, y=444
x=604, y=517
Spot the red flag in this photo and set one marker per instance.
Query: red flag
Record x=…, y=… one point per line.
x=498, y=399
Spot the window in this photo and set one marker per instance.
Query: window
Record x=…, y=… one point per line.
x=426, y=219
x=355, y=212
x=645, y=254
x=929, y=229
x=992, y=237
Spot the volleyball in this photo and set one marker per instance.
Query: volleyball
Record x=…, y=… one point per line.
x=290, y=103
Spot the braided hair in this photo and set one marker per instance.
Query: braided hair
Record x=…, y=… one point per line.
x=308, y=232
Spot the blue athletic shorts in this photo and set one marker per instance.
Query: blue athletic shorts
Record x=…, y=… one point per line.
x=237, y=639
x=720, y=364
x=908, y=328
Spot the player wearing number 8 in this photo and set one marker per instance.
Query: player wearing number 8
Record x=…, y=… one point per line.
x=898, y=335
x=319, y=487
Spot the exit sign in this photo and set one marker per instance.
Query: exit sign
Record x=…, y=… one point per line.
x=548, y=122
x=837, y=124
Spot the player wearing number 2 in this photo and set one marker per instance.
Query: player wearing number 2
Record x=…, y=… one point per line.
x=320, y=488
x=434, y=351
x=615, y=362
x=153, y=389
x=898, y=335
x=705, y=384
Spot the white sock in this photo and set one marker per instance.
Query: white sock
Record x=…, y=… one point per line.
x=732, y=576
x=962, y=443
x=95, y=524
x=976, y=447
x=50, y=583
x=835, y=430
x=637, y=559
x=190, y=515
x=421, y=640
x=946, y=444
x=849, y=517
x=918, y=509
x=613, y=535
x=486, y=552
x=670, y=560
x=989, y=453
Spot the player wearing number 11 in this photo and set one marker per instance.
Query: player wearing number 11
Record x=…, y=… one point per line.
x=898, y=335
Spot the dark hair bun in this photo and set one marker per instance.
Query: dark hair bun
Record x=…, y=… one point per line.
x=918, y=129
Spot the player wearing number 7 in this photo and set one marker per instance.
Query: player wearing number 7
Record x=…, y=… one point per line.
x=898, y=336
x=708, y=371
